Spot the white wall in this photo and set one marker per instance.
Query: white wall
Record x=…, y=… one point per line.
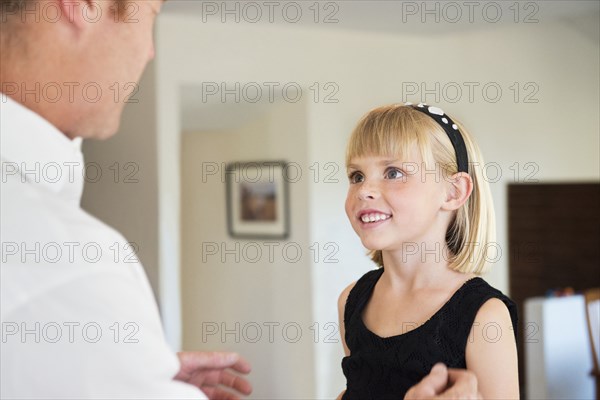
x=559, y=133
x=250, y=301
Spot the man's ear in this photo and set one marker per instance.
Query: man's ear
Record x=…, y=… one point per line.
x=458, y=189
x=80, y=13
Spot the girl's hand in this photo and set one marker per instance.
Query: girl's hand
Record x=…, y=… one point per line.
x=447, y=384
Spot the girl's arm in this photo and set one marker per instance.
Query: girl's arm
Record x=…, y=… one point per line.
x=491, y=352
x=341, y=306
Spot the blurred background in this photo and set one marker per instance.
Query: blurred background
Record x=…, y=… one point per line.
x=258, y=82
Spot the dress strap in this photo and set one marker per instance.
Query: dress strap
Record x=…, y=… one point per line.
x=469, y=302
x=357, y=298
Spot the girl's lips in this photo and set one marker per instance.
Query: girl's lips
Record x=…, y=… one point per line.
x=372, y=225
x=372, y=215
x=369, y=220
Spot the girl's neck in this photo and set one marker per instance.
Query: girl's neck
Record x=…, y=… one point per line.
x=418, y=267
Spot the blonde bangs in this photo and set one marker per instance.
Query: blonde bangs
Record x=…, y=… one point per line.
x=391, y=131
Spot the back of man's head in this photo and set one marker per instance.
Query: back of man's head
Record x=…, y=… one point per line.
x=75, y=62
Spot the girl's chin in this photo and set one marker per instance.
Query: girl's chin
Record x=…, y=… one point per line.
x=373, y=245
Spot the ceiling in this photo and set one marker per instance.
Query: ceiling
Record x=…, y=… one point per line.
x=391, y=16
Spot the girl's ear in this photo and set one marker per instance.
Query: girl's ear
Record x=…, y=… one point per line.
x=458, y=189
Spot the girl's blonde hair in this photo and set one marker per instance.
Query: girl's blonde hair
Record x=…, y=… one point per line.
x=392, y=131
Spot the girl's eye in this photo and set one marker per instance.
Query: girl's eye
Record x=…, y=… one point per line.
x=355, y=177
x=393, y=173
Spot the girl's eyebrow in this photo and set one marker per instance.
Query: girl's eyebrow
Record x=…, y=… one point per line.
x=383, y=163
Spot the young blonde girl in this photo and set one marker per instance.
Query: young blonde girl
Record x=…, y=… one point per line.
x=419, y=201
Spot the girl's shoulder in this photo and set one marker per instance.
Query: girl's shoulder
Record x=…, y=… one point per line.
x=480, y=289
x=479, y=298
x=344, y=296
x=357, y=293
x=365, y=282
x=368, y=279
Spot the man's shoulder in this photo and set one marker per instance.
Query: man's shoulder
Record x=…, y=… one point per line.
x=31, y=214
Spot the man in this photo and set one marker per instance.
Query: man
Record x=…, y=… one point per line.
x=78, y=320
x=83, y=324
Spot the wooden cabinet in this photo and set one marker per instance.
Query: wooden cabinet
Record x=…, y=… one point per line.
x=554, y=242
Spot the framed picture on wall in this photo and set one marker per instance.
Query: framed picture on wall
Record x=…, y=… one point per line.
x=257, y=200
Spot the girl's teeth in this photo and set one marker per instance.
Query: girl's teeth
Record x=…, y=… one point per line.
x=374, y=217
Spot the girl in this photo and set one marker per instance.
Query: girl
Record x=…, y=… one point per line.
x=419, y=201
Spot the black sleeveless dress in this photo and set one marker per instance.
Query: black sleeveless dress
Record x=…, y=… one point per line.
x=385, y=368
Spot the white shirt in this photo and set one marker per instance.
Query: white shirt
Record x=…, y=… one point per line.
x=78, y=316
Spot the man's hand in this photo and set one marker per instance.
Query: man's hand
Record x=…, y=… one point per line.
x=446, y=384
x=212, y=373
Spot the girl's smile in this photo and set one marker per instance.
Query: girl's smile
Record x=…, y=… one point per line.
x=371, y=218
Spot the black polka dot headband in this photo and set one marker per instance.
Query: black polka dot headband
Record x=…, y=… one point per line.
x=451, y=130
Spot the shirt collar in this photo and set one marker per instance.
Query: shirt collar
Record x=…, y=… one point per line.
x=36, y=151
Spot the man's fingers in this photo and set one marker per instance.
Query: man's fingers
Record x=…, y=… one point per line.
x=193, y=360
x=463, y=386
x=432, y=384
x=437, y=378
x=242, y=366
x=201, y=378
x=236, y=382
x=216, y=393
x=446, y=384
x=216, y=377
x=463, y=376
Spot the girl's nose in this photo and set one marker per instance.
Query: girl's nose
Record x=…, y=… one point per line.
x=368, y=192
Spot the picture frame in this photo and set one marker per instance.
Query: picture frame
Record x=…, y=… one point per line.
x=257, y=200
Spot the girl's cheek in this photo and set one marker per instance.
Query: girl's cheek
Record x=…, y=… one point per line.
x=348, y=206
